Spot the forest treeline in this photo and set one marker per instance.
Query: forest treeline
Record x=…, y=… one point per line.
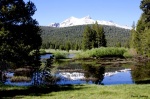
x=60, y=38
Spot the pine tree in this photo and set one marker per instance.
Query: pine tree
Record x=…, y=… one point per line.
x=86, y=41
x=134, y=40
x=103, y=38
x=68, y=46
x=142, y=29
x=100, y=36
x=19, y=33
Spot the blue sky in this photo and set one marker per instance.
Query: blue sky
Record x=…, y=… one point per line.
x=122, y=12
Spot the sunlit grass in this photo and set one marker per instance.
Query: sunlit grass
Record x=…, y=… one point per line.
x=61, y=51
x=102, y=52
x=60, y=55
x=90, y=92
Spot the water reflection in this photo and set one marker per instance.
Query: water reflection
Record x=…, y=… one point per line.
x=46, y=56
x=71, y=72
x=141, y=73
x=80, y=73
x=121, y=77
x=94, y=73
x=91, y=74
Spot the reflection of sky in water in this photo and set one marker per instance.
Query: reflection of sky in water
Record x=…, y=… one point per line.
x=46, y=56
x=119, y=78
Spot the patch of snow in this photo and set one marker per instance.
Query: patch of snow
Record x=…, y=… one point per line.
x=73, y=21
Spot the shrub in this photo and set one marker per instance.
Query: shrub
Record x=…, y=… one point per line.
x=23, y=72
x=60, y=55
x=42, y=51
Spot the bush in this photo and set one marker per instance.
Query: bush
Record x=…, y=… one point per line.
x=42, y=51
x=23, y=72
x=60, y=55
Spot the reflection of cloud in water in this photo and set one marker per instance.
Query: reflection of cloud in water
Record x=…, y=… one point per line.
x=71, y=76
x=113, y=73
x=118, y=77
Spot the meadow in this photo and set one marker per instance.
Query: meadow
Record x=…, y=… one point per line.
x=132, y=91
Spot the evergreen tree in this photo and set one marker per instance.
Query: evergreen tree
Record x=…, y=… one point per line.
x=118, y=44
x=145, y=48
x=86, y=44
x=135, y=40
x=100, y=36
x=19, y=33
x=103, y=38
x=143, y=28
x=68, y=46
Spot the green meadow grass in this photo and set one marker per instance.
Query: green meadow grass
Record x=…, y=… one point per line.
x=62, y=51
x=95, y=52
x=102, y=52
x=78, y=92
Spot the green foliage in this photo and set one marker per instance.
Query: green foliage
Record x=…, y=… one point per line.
x=146, y=43
x=133, y=40
x=68, y=46
x=55, y=37
x=102, y=52
x=127, y=55
x=87, y=41
x=19, y=32
x=140, y=37
x=93, y=37
x=60, y=55
x=100, y=35
x=42, y=51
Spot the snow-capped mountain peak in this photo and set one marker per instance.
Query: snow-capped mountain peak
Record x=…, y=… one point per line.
x=73, y=21
x=87, y=17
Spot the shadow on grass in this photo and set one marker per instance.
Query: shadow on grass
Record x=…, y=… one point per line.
x=10, y=92
x=143, y=82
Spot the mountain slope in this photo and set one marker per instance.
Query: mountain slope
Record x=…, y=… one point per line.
x=58, y=37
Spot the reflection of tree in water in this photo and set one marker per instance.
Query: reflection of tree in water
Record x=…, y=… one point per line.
x=94, y=73
x=141, y=73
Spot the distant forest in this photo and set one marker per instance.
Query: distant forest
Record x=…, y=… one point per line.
x=59, y=38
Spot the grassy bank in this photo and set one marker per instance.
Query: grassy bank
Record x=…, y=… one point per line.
x=78, y=92
x=102, y=52
x=59, y=54
x=61, y=51
x=95, y=52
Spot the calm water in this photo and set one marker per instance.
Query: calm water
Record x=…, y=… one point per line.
x=119, y=78
x=82, y=73
x=122, y=76
x=45, y=56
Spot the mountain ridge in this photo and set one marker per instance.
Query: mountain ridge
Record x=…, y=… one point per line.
x=73, y=21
